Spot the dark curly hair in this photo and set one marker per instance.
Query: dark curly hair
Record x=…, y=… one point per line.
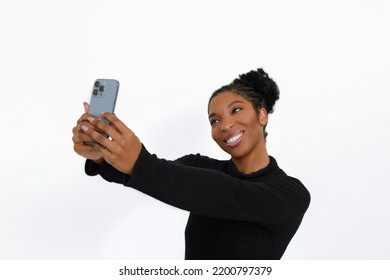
x=256, y=87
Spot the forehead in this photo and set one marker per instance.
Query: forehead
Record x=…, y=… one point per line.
x=224, y=99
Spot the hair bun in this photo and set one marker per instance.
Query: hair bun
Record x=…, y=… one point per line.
x=262, y=84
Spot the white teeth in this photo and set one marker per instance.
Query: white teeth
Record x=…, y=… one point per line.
x=235, y=138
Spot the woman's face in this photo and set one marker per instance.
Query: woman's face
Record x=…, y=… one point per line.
x=235, y=126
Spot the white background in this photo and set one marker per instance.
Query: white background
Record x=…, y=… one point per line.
x=330, y=129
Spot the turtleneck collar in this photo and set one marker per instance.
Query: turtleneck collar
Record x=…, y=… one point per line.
x=271, y=167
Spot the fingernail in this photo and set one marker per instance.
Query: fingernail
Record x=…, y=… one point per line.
x=90, y=119
x=84, y=128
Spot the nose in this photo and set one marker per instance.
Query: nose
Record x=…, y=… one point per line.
x=227, y=124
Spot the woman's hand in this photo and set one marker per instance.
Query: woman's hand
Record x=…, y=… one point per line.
x=79, y=139
x=121, y=149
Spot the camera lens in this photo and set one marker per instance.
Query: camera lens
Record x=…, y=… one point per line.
x=95, y=92
x=101, y=88
x=97, y=84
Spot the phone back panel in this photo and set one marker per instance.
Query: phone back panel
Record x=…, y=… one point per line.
x=103, y=98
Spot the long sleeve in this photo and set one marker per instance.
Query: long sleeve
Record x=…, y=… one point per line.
x=213, y=193
x=233, y=215
x=108, y=172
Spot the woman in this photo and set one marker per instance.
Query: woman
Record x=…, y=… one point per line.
x=243, y=208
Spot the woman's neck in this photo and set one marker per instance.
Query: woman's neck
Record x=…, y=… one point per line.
x=253, y=162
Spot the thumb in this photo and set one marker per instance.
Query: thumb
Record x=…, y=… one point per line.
x=86, y=107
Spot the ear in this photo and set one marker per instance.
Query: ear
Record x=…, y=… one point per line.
x=263, y=117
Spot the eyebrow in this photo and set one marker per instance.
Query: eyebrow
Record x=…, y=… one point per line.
x=230, y=105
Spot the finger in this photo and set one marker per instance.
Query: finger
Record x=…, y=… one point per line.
x=103, y=151
x=81, y=138
x=97, y=137
x=116, y=122
x=86, y=107
x=78, y=133
x=88, y=124
x=83, y=117
x=103, y=127
x=86, y=151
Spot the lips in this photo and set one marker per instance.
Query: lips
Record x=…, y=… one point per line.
x=233, y=139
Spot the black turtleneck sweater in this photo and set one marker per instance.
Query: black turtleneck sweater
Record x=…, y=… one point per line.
x=232, y=215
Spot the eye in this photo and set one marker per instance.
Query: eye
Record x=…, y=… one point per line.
x=236, y=110
x=212, y=122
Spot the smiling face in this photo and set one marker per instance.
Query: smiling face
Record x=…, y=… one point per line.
x=236, y=127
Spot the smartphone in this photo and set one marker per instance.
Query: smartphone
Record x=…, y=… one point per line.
x=103, y=98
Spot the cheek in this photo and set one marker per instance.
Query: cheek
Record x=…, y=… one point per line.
x=214, y=134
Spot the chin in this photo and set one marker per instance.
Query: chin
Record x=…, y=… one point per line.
x=234, y=152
